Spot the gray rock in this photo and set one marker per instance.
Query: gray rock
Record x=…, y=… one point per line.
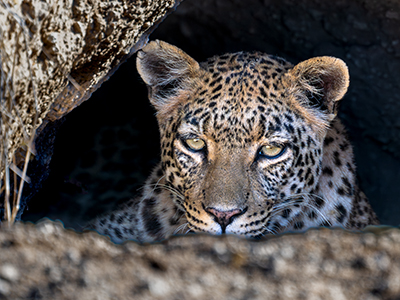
x=54, y=263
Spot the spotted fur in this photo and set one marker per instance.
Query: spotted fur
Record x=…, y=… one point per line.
x=236, y=104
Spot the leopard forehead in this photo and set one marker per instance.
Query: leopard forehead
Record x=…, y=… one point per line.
x=244, y=72
x=240, y=98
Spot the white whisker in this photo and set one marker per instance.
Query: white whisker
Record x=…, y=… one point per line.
x=155, y=185
x=318, y=211
x=168, y=188
x=181, y=228
x=271, y=231
x=301, y=200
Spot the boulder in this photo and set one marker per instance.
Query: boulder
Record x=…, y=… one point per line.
x=48, y=262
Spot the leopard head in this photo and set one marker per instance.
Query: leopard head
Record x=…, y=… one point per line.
x=241, y=134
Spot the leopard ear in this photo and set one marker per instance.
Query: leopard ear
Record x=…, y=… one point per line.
x=167, y=71
x=322, y=81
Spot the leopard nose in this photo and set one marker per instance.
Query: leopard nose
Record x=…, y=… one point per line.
x=224, y=217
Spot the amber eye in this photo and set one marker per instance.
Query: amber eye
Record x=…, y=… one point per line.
x=272, y=151
x=195, y=144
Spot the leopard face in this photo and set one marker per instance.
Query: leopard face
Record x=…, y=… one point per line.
x=237, y=165
x=242, y=135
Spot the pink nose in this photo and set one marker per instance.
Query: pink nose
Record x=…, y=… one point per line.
x=224, y=218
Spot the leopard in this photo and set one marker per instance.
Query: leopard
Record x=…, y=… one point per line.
x=251, y=145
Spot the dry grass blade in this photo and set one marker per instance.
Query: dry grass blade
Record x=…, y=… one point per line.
x=7, y=209
x=9, y=113
x=15, y=184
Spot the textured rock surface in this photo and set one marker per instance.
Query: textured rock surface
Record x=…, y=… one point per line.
x=54, y=54
x=48, y=262
x=71, y=47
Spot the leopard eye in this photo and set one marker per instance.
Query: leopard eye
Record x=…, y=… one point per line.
x=272, y=151
x=195, y=144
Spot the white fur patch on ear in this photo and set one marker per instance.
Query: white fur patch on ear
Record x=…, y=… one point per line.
x=323, y=81
x=166, y=69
